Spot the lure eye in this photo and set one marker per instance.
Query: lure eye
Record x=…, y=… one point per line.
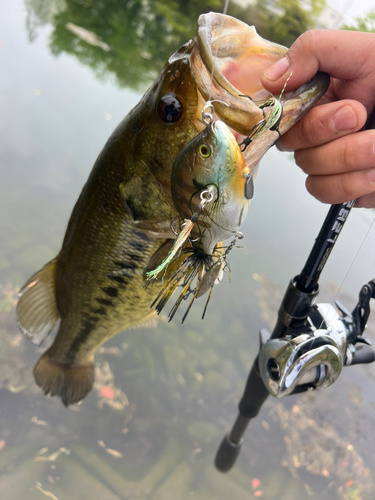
x=204, y=150
x=169, y=108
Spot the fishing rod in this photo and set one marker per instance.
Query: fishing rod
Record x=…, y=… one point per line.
x=310, y=342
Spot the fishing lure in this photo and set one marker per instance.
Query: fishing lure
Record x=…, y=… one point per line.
x=207, y=196
x=211, y=189
x=271, y=121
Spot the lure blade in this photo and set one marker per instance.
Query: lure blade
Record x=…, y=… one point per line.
x=209, y=278
x=249, y=187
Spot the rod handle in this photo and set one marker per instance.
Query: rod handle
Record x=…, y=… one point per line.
x=254, y=395
x=227, y=454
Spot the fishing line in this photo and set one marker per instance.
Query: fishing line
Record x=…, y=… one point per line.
x=351, y=265
x=355, y=257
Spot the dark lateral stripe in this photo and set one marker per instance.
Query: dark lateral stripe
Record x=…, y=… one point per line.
x=127, y=274
x=98, y=310
x=138, y=245
x=118, y=279
x=111, y=291
x=104, y=302
x=128, y=268
x=134, y=256
x=142, y=236
x=87, y=328
x=126, y=265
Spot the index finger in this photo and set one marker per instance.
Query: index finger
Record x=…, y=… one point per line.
x=324, y=124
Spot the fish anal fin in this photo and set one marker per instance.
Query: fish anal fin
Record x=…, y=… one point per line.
x=37, y=311
x=155, y=229
x=70, y=382
x=150, y=321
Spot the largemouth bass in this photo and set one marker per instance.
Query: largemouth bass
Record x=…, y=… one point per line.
x=121, y=221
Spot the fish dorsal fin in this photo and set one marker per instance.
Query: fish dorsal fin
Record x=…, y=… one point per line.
x=37, y=311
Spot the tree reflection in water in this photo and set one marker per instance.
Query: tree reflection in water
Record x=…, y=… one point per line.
x=142, y=35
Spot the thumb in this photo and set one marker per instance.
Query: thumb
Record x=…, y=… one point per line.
x=342, y=54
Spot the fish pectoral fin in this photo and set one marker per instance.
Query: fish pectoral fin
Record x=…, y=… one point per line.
x=150, y=321
x=156, y=229
x=141, y=201
x=133, y=204
x=37, y=311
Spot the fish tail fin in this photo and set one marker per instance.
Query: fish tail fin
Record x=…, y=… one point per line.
x=70, y=382
x=37, y=311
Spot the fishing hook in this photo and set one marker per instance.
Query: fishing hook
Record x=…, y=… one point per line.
x=171, y=225
x=207, y=113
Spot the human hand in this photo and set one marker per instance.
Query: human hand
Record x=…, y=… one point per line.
x=339, y=162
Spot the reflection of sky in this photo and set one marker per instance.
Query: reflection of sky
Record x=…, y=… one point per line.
x=351, y=9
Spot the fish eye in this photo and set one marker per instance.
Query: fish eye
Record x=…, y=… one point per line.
x=204, y=150
x=169, y=108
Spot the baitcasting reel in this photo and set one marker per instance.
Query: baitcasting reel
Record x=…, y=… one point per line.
x=314, y=359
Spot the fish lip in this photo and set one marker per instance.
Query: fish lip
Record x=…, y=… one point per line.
x=222, y=40
x=298, y=102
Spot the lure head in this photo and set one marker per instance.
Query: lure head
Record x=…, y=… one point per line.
x=212, y=158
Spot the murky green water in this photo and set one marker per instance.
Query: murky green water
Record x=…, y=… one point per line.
x=163, y=398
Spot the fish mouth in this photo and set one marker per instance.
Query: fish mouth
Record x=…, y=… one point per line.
x=228, y=58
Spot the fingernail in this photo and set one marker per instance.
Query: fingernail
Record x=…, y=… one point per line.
x=344, y=119
x=276, y=70
x=371, y=174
